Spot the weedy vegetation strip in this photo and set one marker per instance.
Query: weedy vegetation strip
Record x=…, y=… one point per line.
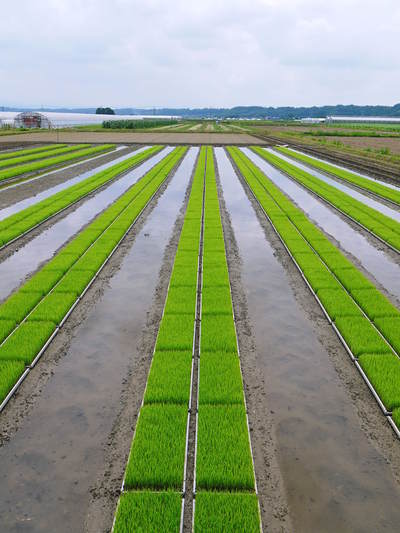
x=31, y=316
x=37, y=166
x=225, y=488
x=383, y=227
x=153, y=487
x=28, y=151
x=18, y=224
x=365, y=320
x=370, y=185
x=41, y=155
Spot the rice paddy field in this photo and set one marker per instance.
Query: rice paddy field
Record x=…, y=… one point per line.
x=197, y=337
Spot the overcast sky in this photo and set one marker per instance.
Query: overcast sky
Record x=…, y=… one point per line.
x=199, y=53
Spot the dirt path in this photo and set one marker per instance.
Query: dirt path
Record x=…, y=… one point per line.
x=338, y=458
x=134, y=138
x=66, y=436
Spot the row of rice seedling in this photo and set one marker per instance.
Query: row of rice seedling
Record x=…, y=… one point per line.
x=383, y=227
x=154, y=480
x=370, y=185
x=31, y=316
x=364, y=319
x=41, y=155
x=13, y=172
x=225, y=488
x=27, y=151
x=17, y=225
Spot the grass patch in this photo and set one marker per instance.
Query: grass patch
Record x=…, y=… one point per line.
x=169, y=378
x=226, y=512
x=223, y=449
x=220, y=379
x=361, y=336
x=176, y=333
x=10, y=372
x=148, y=512
x=157, y=455
x=27, y=341
x=383, y=371
x=218, y=333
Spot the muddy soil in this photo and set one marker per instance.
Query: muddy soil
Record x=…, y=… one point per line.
x=66, y=435
x=337, y=456
x=12, y=195
x=136, y=138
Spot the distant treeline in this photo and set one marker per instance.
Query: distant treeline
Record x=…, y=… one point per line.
x=244, y=112
x=137, y=124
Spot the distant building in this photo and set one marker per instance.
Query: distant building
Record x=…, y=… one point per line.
x=32, y=119
x=383, y=120
x=311, y=120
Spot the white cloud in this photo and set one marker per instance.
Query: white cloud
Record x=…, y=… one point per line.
x=209, y=53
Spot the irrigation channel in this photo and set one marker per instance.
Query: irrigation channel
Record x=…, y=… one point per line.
x=198, y=329
x=52, y=467
x=15, y=268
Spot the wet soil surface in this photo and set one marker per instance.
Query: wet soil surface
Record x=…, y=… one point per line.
x=11, y=195
x=338, y=458
x=375, y=259
x=67, y=434
x=22, y=258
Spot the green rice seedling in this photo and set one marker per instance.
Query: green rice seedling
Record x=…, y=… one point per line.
x=396, y=417
x=308, y=260
x=373, y=303
x=223, y=450
x=18, y=153
x=6, y=327
x=62, y=261
x=373, y=186
x=169, y=378
x=360, y=336
x=18, y=305
x=34, y=157
x=321, y=278
x=158, y=450
x=217, y=300
x=152, y=512
x=352, y=279
x=188, y=245
x=297, y=245
x=336, y=261
x=390, y=329
x=338, y=303
x=93, y=258
x=216, y=276
x=27, y=341
x=43, y=281
x=10, y=372
x=226, y=512
x=383, y=371
x=74, y=282
x=53, y=307
x=184, y=276
x=213, y=245
x=213, y=259
x=81, y=242
x=220, y=379
x=218, y=333
x=183, y=258
x=181, y=300
x=176, y=333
